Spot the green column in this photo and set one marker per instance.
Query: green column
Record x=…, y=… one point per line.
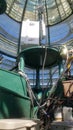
x=37, y=78
x=21, y=63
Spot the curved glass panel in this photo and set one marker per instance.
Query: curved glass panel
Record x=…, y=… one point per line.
x=54, y=10
x=9, y=35
x=62, y=33
x=7, y=62
x=57, y=15
x=15, y=9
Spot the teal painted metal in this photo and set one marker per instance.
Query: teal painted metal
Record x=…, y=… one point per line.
x=13, y=82
x=21, y=63
x=14, y=106
x=14, y=100
x=34, y=57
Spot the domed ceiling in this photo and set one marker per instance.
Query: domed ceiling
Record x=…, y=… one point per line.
x=57, y=15
x=54, y=10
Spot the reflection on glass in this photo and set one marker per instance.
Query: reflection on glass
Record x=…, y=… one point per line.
x=54, y=10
